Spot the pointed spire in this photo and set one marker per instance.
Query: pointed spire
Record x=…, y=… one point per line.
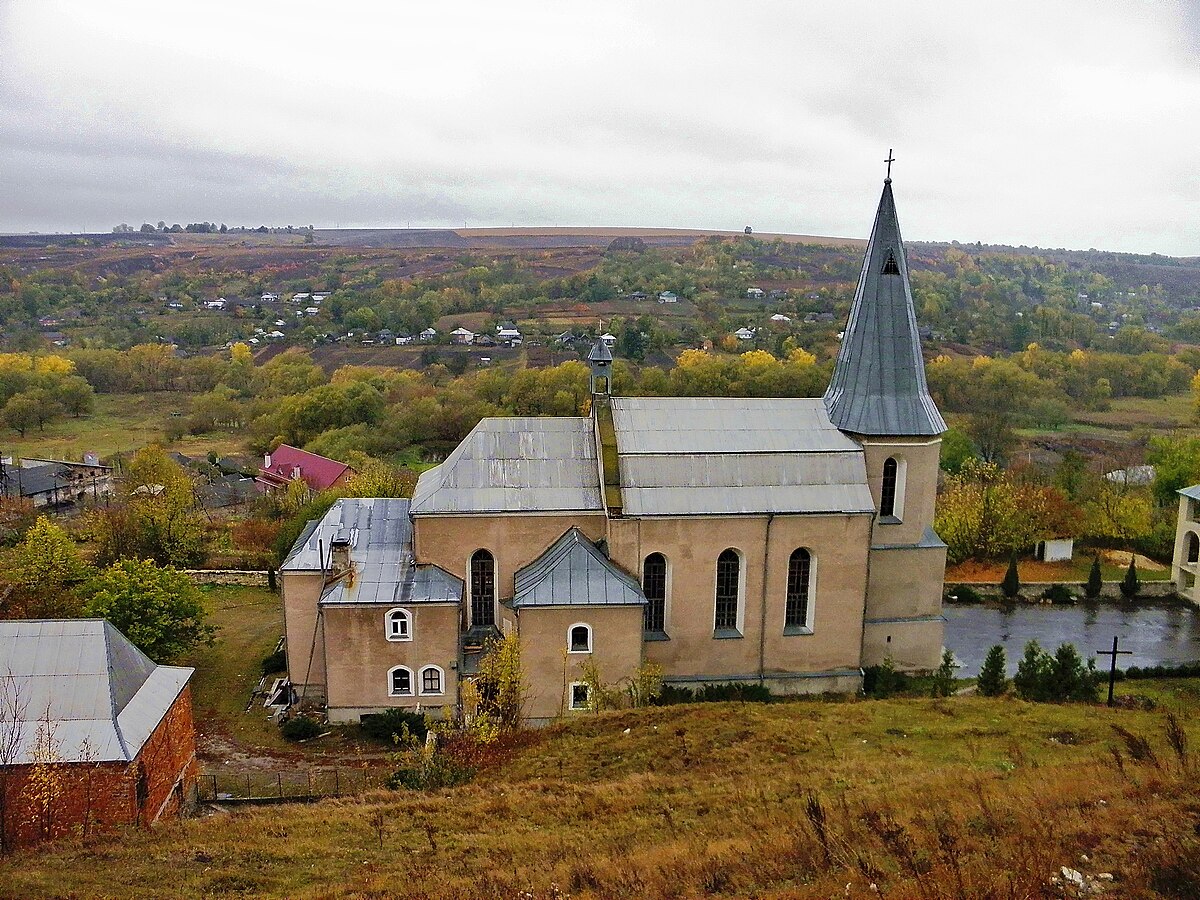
x=878, y=385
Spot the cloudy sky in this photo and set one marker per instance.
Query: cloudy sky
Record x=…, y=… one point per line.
x=1072, y=123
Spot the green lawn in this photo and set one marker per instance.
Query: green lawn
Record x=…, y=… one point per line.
x=120, y=423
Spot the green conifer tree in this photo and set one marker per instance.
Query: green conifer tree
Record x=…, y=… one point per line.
x=1011, y=585
x=1130, y=585
x=993, y=680
x=1094, y=581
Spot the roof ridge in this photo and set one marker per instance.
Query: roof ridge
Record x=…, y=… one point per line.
x=108, y=630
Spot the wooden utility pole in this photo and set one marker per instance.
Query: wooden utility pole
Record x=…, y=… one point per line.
x=1112, y=667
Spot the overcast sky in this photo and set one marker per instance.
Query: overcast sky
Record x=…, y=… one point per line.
x=1060, y=123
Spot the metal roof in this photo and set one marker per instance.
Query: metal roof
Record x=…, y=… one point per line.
x=379, y=531
x=1193, y=491
x=599, y=352
x=681, y=456
x=102, y=696
x=413, y=584
x=521, y=464
x=573, y=572
x=878, y=385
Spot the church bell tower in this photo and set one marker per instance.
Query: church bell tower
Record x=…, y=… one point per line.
x=879, y=397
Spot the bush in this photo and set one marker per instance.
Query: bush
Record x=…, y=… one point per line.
x=436, y=772
x=671, y=695
x=963, y=594
x=993, y=676
x=1058, y=593
x=385, y=726
x=1130, y=585
x=275, y=662
x=1095, y=583
x=301, y=728
x=883, y=680
x=1011, y=585
x=1063, y=677
x=1186, y=670
x=943, y=678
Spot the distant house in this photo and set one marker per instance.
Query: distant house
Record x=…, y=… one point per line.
x=286, y=464
x=120, y=726
x=55, y=482
x=744, y=334
x=566, y=338
x=506, y=326
x=777, y=295
x=668, y=297
x=318, y=296
x=508, y=336
x=57, y=338
x=462, y=335
x=755, y=293
x=268, y=297
x=609, y=340
x=175, y=304
x=780, y=317
x=403, y=339
x=276, y=335
x=311, y=310
x=485, y=340
x=219, y=303
x=301, y=298
x=429, y=334
x=639, y=295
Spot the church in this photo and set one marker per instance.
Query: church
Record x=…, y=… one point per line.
x=779, y=542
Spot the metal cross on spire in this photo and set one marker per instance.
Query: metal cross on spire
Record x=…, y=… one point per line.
x=890, y=159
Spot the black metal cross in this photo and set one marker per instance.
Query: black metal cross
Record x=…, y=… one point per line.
x=1112, y=669
x=891, y=159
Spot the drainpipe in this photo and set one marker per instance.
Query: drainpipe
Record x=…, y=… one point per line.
x=762, y=622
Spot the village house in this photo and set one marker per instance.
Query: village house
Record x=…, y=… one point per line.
x=286, y=464
x=754, y=293
x=462, y=335
x=782, y=542
x=668, y=297
x=117, y=727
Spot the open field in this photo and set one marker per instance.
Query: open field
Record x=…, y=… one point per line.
x=922, y=798
x=120, y=423
x=1113, y=566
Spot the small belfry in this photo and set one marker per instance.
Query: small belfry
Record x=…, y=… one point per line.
x=600, y=361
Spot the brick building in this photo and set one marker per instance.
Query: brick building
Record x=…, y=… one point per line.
x=93, y=734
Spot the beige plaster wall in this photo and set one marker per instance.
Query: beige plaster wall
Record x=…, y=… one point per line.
x=301, y=591
x=1183, y=573
x=616, y=651
x=920, y=458
x=361, y=656
x=838, y=545
x=906, y=582
x=515, y=541
x=913, y=644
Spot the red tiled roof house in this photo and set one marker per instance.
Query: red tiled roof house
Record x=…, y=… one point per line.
x=286, y=464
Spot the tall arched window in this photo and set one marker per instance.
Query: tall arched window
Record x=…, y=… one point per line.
x=887, y=494
x=483, y=588
x=1193, y=547
x=799, y=576
x=728, y=582
x=654, y=586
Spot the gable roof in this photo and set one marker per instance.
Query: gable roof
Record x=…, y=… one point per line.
x=878, y=384
x=728, y=456
x=573, y=572
x=519, y=464
x=102, y=696
x=319, y=472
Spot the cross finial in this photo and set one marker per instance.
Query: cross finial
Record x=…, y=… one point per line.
x=890, y=159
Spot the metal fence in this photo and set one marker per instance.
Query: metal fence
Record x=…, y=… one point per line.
x=286, y=787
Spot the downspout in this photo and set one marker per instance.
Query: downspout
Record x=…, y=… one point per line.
x=762, y=622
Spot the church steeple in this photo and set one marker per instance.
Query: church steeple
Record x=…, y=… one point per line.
x=878, y=385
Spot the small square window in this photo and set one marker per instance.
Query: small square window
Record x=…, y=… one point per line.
x=580, y=696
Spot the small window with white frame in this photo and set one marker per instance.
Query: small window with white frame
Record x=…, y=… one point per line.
x=579, y=638
x=432, y=679
x=581, y=695
x=398, y=625
x=400, y=682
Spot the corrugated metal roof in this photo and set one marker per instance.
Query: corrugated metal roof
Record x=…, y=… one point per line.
x=725, y=425
x=376, y=527
x=573, y=572
x=1193, y=491
x=878, y=385
x=102, y=696
x=522, y=464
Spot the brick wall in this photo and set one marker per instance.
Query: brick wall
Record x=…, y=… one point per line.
x=98, y=797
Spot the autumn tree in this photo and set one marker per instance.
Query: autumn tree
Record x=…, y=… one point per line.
x=156, y=607
x=45, y=568
x=378, y=479
x=20, y=413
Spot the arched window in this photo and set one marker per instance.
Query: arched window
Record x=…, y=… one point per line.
x=400, y=682
x=398, y=625
x=799, y=578
x=887, y=494
x=729, y=567
x=1193, y=547
x=483, y=588
x=654, y=586
x=431, y=680
x=579, y=638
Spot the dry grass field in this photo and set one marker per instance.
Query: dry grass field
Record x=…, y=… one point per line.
x=958, y=798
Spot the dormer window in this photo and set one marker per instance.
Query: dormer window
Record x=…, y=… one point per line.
x=889, y=265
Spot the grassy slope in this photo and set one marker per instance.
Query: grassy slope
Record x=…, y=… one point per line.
x=966, y=797
x=120, y=423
